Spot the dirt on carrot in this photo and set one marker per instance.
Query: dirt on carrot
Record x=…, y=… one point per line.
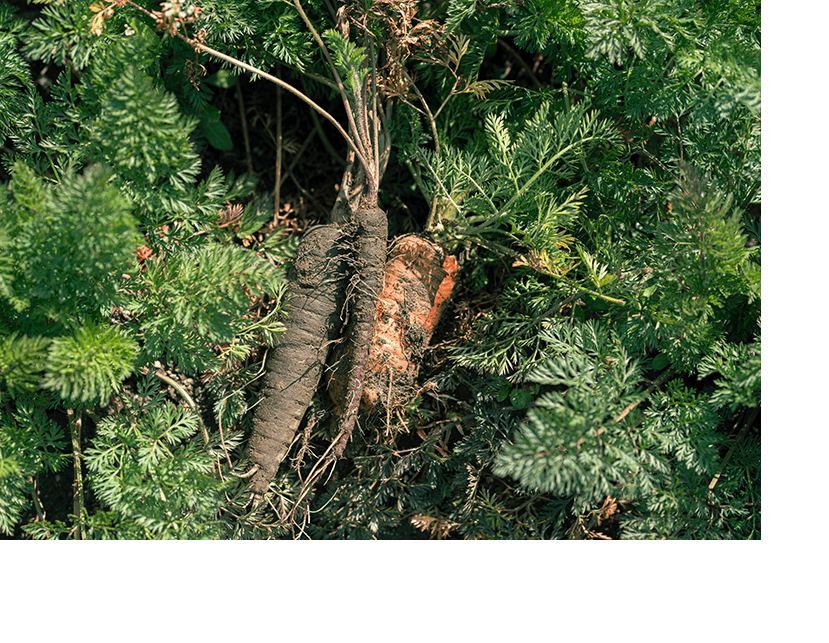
x=294, y=366
x=388, y=334
x=369, y=229
x=419, y=280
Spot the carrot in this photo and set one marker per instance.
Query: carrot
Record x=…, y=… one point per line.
x=387, y=334
x=419, y=280
x=370, y=239
x=294, y=366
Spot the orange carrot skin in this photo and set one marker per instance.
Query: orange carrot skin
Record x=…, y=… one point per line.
x=451, y=267
x=294, y=366
x=419, y=282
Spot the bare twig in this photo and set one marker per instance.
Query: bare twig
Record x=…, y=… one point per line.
x=375, y=139
x=521, y=62
x=242, y=115
x=278, y=171
x=430, y=117
x=189, y=400
x=656, y=384
x=325, y=141
x=41, y=513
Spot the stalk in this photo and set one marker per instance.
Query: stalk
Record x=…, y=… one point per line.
x=77, y=486
x=370, y=227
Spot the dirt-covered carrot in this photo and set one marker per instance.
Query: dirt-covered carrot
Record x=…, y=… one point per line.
x=370, y=241
x=419, y=280
x=294, y=366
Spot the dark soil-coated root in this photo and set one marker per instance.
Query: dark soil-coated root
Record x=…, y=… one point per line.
x=371, y=231
x=294, y=366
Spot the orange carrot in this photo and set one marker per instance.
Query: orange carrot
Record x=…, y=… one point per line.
x=419, y=280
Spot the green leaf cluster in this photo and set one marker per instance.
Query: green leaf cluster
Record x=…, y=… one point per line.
x=571, y=443
x=698, y=263
x=199, y=298
x=89, y=365
x=626, y=331
x=101, y=162
x=152, y=477
x=58, y=268
x=30, y=444
x=595, y=430
x=349, y=59
x=519, y=183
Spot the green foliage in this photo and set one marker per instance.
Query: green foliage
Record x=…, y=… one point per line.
x=585, y=437
x=349, y=60
x=87, y=366
x=100, y=165
x=152, y=479
x=738, y=367
x=616, y=29
x=45, y=134
x=14, y=77
x=686, y=427
x=195, y=299
x=60, y=269
x=510, y=342
x=698, y=262
x=537, y=22
x=22, y=360
x=607, y=212
x=646, y=253
x=30, y=444
x=121, y=130
x=519, y=183
x=571, y=443
x=61, y=34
